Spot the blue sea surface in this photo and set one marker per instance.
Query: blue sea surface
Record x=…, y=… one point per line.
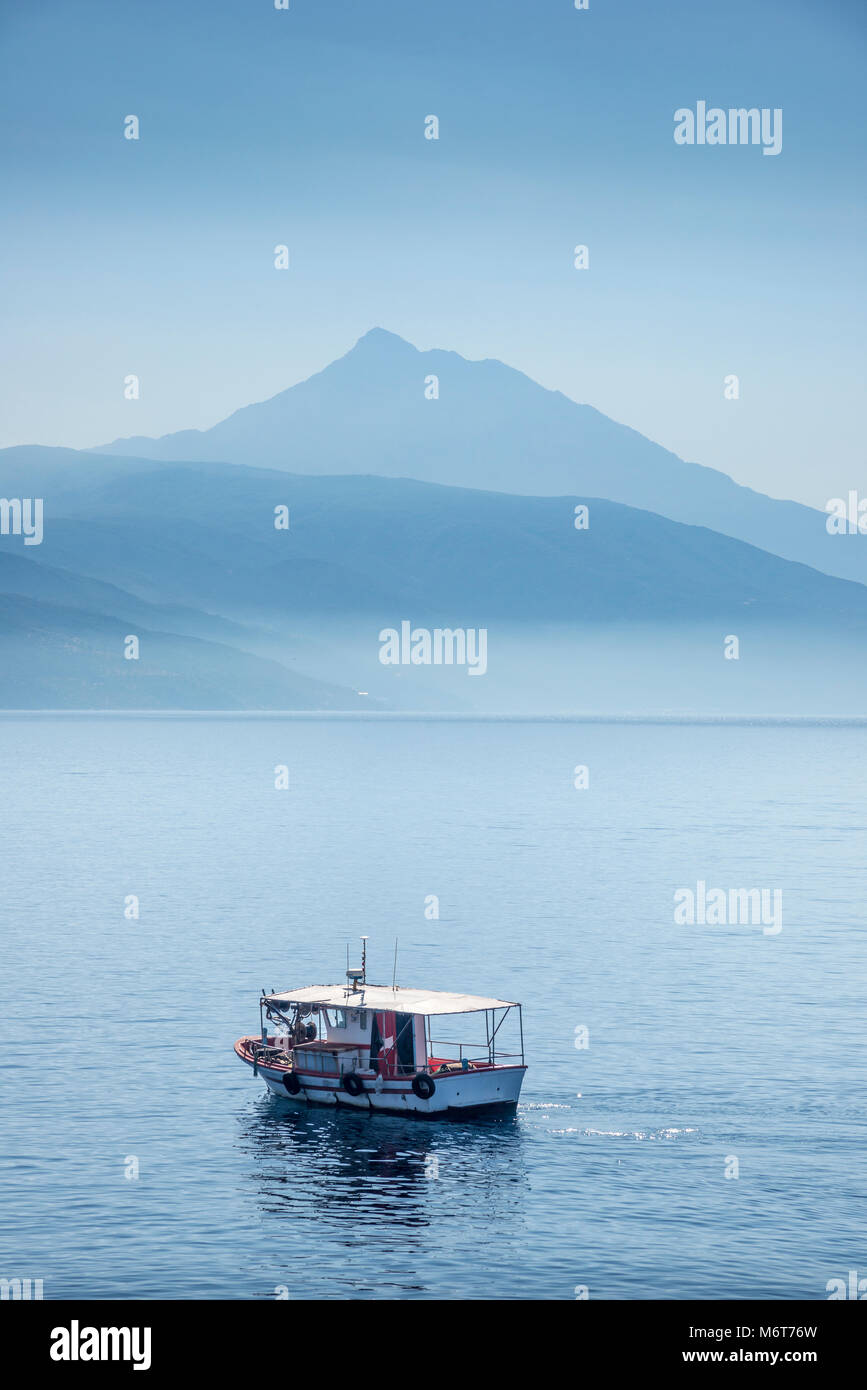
x=711, y=1049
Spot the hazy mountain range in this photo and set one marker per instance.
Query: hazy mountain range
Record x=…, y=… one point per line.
x=166, y=540
x=491, y=427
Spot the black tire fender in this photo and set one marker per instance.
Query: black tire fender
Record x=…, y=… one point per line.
x=292, y=1082
x=423, y=1085
x=352, y=1084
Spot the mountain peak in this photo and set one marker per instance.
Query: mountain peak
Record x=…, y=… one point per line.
x=382, y=339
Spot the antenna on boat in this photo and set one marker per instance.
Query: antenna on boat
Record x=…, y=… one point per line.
x=357, y=978
x=394, y=972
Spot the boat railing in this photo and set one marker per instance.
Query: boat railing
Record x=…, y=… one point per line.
x=461, y=1051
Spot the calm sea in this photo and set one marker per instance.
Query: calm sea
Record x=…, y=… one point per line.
x=711, y=1049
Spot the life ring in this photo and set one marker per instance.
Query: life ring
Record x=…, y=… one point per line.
x=352, y=1084
x=292, y=1082
x=423, y=1085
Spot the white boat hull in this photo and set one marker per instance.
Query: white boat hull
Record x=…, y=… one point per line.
x=454, y=1091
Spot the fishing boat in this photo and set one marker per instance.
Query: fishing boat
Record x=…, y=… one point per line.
x=372, y=1048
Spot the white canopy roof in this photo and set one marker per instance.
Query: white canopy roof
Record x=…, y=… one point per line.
x=404, y=1001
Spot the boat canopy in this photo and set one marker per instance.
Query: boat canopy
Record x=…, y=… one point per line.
x=403, y=1001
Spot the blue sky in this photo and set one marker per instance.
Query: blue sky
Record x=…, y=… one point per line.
x=305, y=127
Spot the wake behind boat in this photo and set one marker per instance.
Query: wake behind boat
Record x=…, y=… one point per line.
x=372, y=1048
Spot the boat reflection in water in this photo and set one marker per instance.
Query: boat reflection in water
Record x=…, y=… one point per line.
x=383, y=1193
